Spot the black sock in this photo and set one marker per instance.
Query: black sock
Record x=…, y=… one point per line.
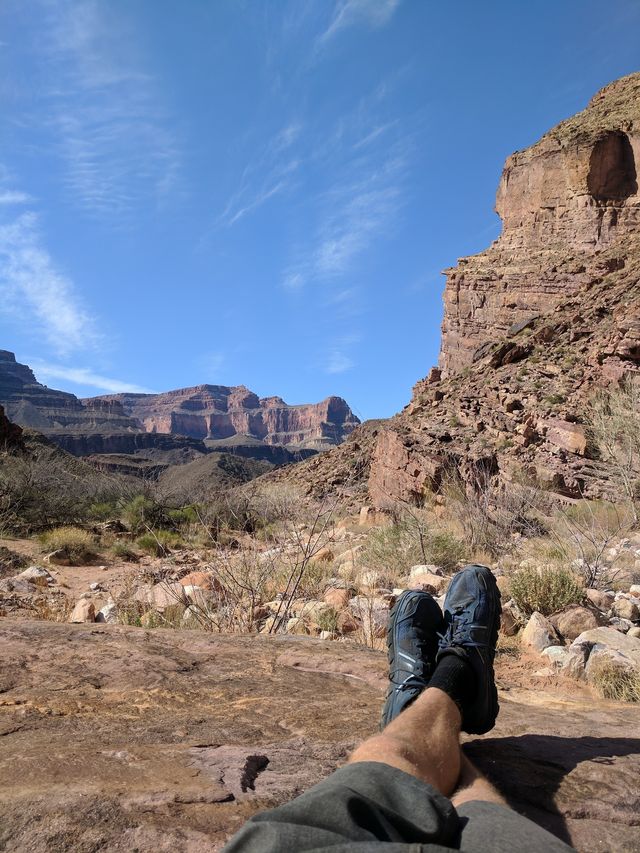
x=454, y=675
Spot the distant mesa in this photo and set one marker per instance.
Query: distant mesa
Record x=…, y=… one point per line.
x=190, y=420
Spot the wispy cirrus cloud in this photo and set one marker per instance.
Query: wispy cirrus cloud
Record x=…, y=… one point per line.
x=86, y=377
x=349, y=13
x=104, y=109
x=37, y=292
x=352, y=215
x=270, y=173
x=10, y=197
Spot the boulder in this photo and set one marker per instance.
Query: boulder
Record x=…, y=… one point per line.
x=60, y=557
x=324, y=555
x=425, y=569
x=84, y=611
x=633, y=632
x=634, y=589
x=622, y=625
x=602, y=600
x=338, y=598
x=512, y=618
x=297, y=626
x=161, y=595
x=539, y=633
x=204, y=580
x=609, y=645
x=37, y=575
x=624, y=608
x=346, y=623
x=108, y=613
x=567, y=661
x=349, y=557
x=429, y=582
x=575, y=619
x=373, y=613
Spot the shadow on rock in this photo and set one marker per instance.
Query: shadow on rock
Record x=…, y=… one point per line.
x=551, y=779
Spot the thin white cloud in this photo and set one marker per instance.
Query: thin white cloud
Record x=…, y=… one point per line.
x=104, y=110
x=338, y=362
x=265, y=176
x=8, y=197
x=349, y=13
x=85, y=376
x=353, y=215
x=32, y=287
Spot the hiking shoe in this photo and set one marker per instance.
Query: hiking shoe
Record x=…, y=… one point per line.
x=415, y=625
x=472, y=618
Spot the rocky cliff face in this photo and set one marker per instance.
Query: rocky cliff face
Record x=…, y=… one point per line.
x=218, y=412
x=31, y=404
x=563, y=202
x=532, y=326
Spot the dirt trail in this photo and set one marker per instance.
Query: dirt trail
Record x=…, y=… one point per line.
x=124, y=739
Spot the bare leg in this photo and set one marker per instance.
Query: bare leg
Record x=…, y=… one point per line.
x=472, y=785
x=424, y=741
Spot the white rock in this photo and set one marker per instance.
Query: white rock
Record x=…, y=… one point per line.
x=634, y=589
x=84, y=611
x=425, y=570
x=568, y=661
x=34, y=573
x=620, y=648
x=108, y=613
x=622, y=625
x=539, y=633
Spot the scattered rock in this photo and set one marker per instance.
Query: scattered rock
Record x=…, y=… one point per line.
x=512, y=618
x=36, y=574
x=539, y=633
x=84, y=611
x=634, y=632
x=338, y=598
x=108, y=613
x=575, y=619
x=624, y=608
x=568, y=661
x=297, y=626
x=602, y=600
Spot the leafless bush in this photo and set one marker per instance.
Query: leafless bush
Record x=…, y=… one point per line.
x=614, y=426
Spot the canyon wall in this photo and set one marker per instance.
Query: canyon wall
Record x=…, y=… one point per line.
x=562, y=202
x=218, y=412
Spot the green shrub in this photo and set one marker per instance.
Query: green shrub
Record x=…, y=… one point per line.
x=327, y=620
x=545, y=589
x=78, y=544
x=103, y=510
x=159, y=543
x=142, y=513
x=615, y=682
x=184, y=516
x=394, y=549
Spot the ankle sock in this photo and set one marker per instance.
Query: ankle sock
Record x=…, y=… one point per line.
x=455, y=676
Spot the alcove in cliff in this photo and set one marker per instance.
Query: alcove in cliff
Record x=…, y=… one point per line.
x=612, y=168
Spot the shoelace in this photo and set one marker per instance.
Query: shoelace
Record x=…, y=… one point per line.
x=458, y=632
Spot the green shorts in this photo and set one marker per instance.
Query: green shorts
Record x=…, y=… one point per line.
x=370, y=806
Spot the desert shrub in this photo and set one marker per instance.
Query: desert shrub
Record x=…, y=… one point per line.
x=123, y=551
x=44, y=488
x=327, y=620
x=586, y=531
x=615, y=682
x=545, y=589
x=184, y=516
x=78, y=544
x=143, y=513
x=159, y=543
x=103, y=510
x=395, y=548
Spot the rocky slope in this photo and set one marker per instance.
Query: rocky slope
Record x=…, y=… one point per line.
x=218, y=412
x=120, y=738
x=532, y=326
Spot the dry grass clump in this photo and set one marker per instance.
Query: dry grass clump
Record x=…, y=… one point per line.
x=614, y=682
x=78, y=544
x=546, y=589
x=408, y=542
x=159, y=543
x=124, y=552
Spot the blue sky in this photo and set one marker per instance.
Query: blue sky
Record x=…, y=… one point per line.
x=264, y=192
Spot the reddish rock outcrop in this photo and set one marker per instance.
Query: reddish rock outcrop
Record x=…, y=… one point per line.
x=218, y=412
x=532, y=327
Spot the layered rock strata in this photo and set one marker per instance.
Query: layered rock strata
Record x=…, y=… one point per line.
x=532, y=328
x=219, y=412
